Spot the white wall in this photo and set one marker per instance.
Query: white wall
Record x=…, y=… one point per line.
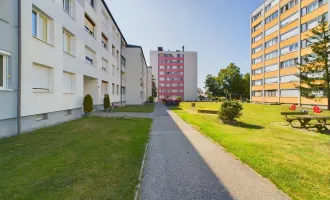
x=134, y=72
x=190, y=76
x=52, y=55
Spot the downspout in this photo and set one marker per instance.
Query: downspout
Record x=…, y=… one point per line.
x=19, y=70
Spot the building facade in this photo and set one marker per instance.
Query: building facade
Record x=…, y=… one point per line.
x=8, y=67
x=138, y=76
x=175, y=73
x=279, y=33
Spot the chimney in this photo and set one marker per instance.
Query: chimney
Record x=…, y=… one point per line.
x=160, y=48
x=183, y=48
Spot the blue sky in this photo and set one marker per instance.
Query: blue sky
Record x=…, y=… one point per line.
x=219, y=30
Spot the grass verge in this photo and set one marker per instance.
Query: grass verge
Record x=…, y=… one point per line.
x=147, y=108
x=297, y=161
x=89, y=158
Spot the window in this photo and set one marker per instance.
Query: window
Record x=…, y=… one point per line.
x=3, y=72
x=288, y=6
x=289, y=49
x=271, y=42
x=117, y=55
x=257, y=60
x=40, y=117
x=256, y=27
x=271, y=5
x=257, y=93
x=257, y=49
x=41, y=26
x=257, y=71
x=90, y=56
x=271, y=30
x=289, y=63
x=289, y=34
x=271, y=55
x=89, y=25
x=117, y=73
x=271, y=17
x=290, y=19
x=289, y=78
x=104, y=87
x=307, y=42
x=67, y=112
x=113, y=70
x=313, y=6
x=270, y=93
x=113, y=50
x=257, y=38
x=91, y=2
x=271, y=68
x=68, y=42
x=256, y=16
x=105, y=65
x=67, y=5
x=289, y=93
x=105, y=19
x=313, y=23
x=256, y=82
x=117, y=89
x=42, y=78
x=104, y=41
x=113, y=88
x=68, y=82
x=271, y=80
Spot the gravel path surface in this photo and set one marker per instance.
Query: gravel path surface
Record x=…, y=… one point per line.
x=183, y=164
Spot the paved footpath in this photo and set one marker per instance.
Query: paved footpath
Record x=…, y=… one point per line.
x=183, y=164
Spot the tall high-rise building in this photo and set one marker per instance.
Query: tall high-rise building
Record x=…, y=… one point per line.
x=279, y=33
x=175, y=73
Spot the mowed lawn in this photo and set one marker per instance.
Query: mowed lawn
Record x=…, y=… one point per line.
x=147, y=108
x=89, y=158
x=297, y=161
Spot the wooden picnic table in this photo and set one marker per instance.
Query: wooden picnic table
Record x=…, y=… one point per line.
x=305, y=119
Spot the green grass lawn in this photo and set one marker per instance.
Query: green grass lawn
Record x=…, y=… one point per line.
x=89, y=158
x=147, y=108
x=297, y=161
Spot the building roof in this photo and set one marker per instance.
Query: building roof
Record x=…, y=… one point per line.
x=113, y=19
x=136, y=46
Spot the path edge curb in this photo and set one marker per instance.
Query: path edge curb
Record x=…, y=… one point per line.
x=138, y=187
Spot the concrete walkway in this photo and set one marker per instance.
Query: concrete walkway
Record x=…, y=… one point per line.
x=183, y=164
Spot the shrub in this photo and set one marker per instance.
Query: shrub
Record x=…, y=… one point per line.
x=179, y=98
x=193, y=105
x=151, y=99
x=163, y=101
x=88, y=103
x=222, y=99
x=106, y=101
x=229, y=110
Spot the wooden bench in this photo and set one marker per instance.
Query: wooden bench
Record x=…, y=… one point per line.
x=291, y=119
x=207, y=111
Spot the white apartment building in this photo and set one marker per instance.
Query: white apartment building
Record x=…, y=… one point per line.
x=70, y=48
x=175, y=73
x=138, y=87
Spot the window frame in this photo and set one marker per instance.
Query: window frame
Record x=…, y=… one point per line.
x=70, y=6
x=5, y=65
x=37, y=24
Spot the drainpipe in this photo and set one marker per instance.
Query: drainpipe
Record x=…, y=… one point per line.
x=19, y=70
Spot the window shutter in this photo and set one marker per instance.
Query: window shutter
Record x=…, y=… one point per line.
x=41, y=77
x=67, y=82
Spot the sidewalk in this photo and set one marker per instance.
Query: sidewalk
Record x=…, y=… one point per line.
x=183, y=164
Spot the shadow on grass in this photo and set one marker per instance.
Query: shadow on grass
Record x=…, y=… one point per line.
x=249, y=126
x=174, y=108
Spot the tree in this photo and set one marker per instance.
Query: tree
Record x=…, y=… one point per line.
x=230, y=79
x=314, y=68
x=212, y=86
x=106, y=101
x=246, y=85
x=154, y=87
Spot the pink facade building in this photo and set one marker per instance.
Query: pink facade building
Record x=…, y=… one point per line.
x=175, y=73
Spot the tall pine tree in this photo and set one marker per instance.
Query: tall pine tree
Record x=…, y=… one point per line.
x=314, y=68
